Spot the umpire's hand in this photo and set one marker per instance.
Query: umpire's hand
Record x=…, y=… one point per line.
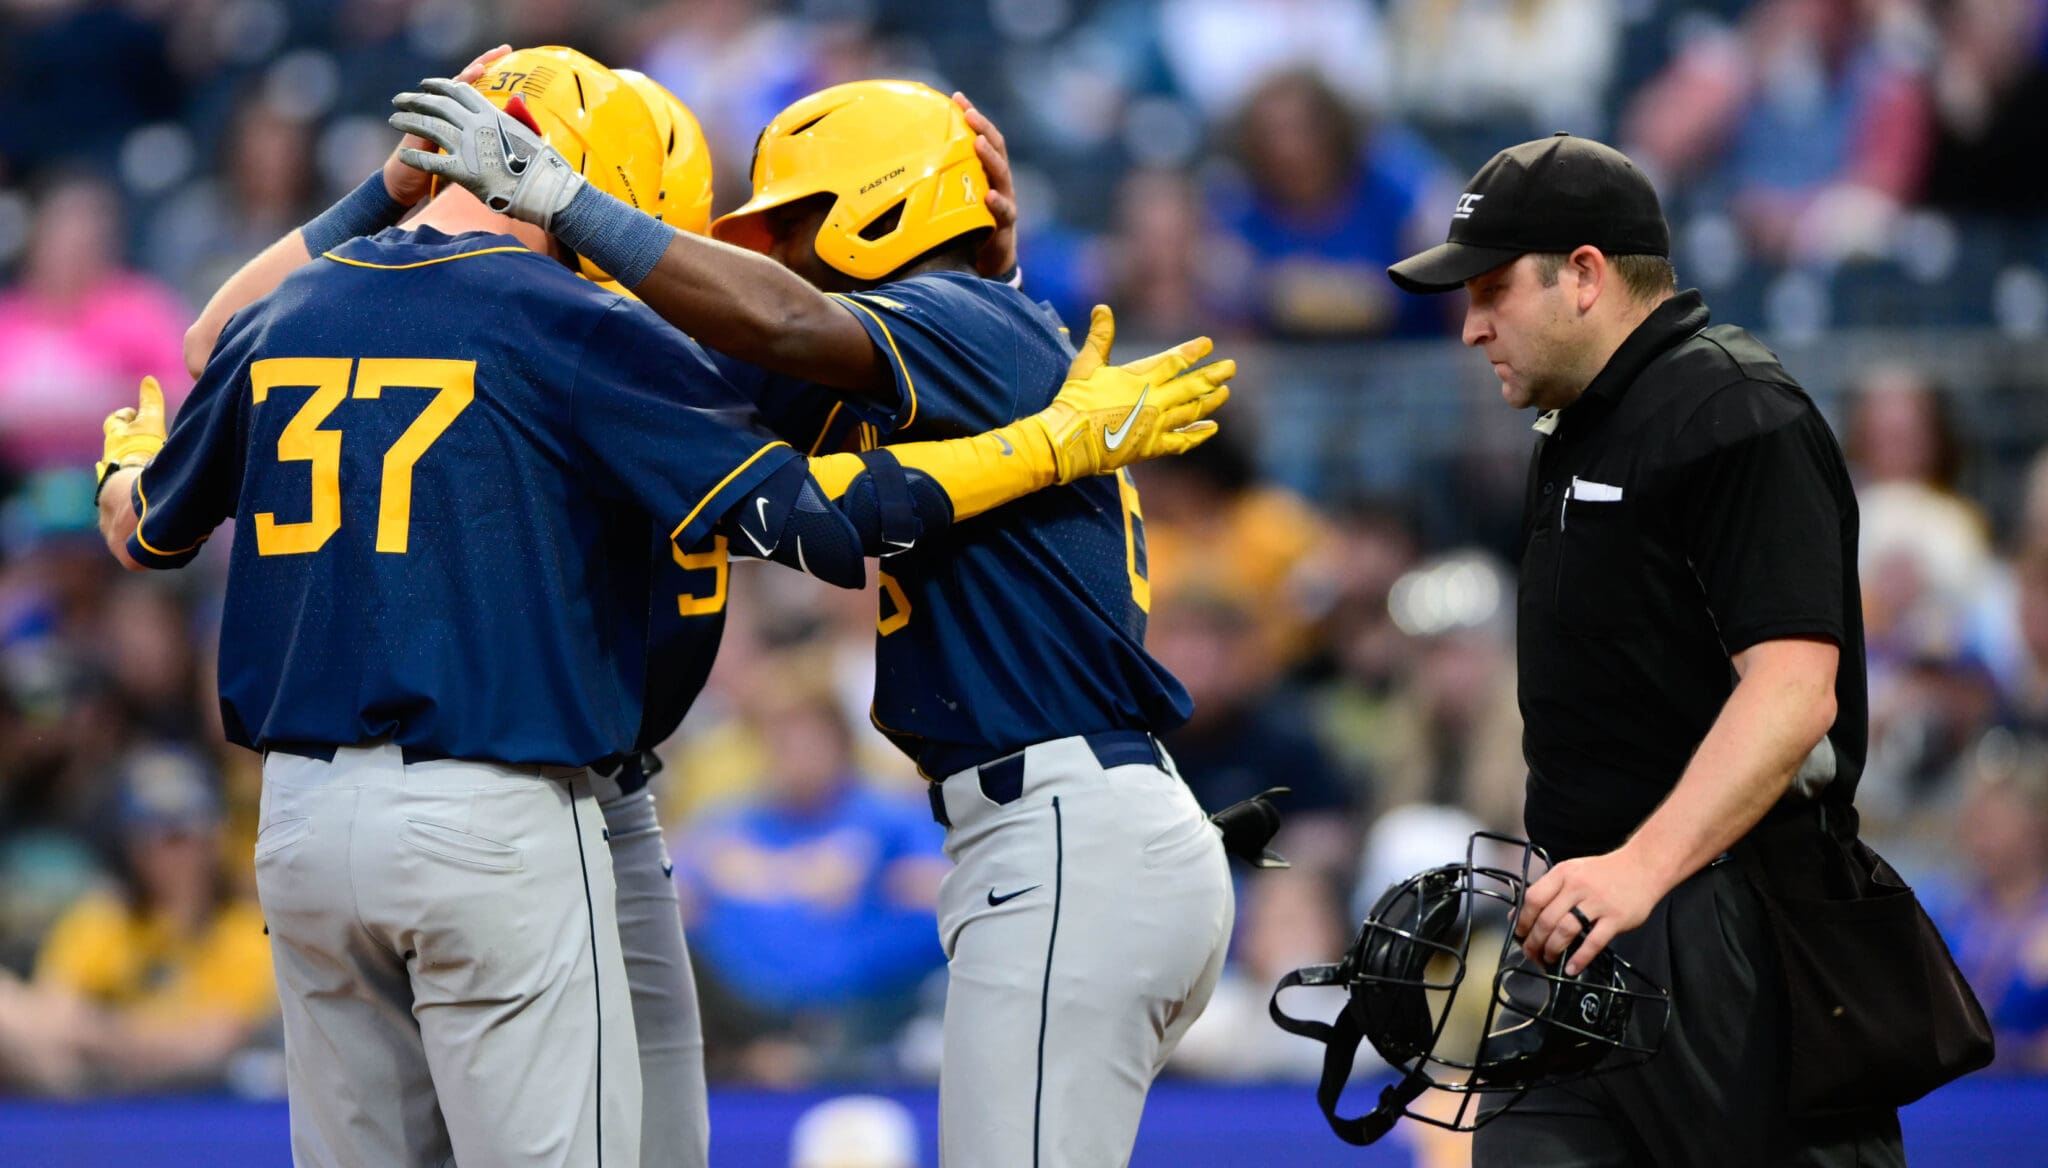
x=1594, y=898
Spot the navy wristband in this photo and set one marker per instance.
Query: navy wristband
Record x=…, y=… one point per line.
x=896, y=509
x=364, y=211
x=612, y=235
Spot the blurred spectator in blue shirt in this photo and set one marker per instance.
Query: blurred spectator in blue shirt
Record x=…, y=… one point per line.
x=1330, y=204
x=809, y=904
x=1997, y=920
x=1812, y=118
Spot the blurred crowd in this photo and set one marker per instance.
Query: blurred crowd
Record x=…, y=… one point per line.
x=1244, y=168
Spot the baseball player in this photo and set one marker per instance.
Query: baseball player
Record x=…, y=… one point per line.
x=686, y=617
x=686, y=620
x=438, y=620
x=687, y=614
x=1086, y=919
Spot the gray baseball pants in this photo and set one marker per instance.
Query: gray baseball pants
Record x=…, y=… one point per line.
x=1085, y=924
x=675, y=1125
x=448, y=962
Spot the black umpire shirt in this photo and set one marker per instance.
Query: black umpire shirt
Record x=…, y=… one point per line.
x=1690, y=504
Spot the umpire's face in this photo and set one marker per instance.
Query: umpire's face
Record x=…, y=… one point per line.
x=1526, y=328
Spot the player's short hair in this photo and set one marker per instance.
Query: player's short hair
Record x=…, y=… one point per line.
x=960, y=254
x=1645, y=276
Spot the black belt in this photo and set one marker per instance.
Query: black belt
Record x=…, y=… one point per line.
x=1002, y=779
x=630, y=771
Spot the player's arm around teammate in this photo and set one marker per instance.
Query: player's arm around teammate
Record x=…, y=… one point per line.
x=883, y=502
x=771, y=307
x=378, y=204
x=853, y=506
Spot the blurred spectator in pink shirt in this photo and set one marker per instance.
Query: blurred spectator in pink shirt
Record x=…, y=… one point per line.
x=78, y=331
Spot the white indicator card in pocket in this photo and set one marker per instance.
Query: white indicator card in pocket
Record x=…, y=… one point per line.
x=1586, y=491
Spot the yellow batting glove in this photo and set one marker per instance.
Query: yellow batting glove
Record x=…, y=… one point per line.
x=134, y=433
x=1108, y=416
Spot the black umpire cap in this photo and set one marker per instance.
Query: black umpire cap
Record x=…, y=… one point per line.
x=1551, y=195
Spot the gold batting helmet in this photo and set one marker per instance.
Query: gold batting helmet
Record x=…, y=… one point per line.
x=585, y=111
x=879, y=146
x=685, y=201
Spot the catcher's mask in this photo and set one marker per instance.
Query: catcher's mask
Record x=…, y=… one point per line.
x=1404, y=973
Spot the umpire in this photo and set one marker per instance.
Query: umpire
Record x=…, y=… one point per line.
x=1690, y=652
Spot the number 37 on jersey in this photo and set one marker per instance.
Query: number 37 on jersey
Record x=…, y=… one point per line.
x=334, y=380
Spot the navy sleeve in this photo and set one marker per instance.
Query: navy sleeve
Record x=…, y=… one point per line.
x=807, y=416
x=195, y=480
x=1762, y=501
x=885, y=510
x=659, y=426
x=955, y=354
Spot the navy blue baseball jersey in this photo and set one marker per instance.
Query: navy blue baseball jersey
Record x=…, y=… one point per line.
x=685, y=622
x=445, y=457
x=1020, y=625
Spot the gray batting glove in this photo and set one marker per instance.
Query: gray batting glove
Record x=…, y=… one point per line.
x=488, y=152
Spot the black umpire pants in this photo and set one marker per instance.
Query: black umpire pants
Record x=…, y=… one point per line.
x=1713, y=1095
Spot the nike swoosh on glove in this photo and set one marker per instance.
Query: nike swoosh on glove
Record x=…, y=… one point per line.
x=486, y=151
x=1109, y=416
